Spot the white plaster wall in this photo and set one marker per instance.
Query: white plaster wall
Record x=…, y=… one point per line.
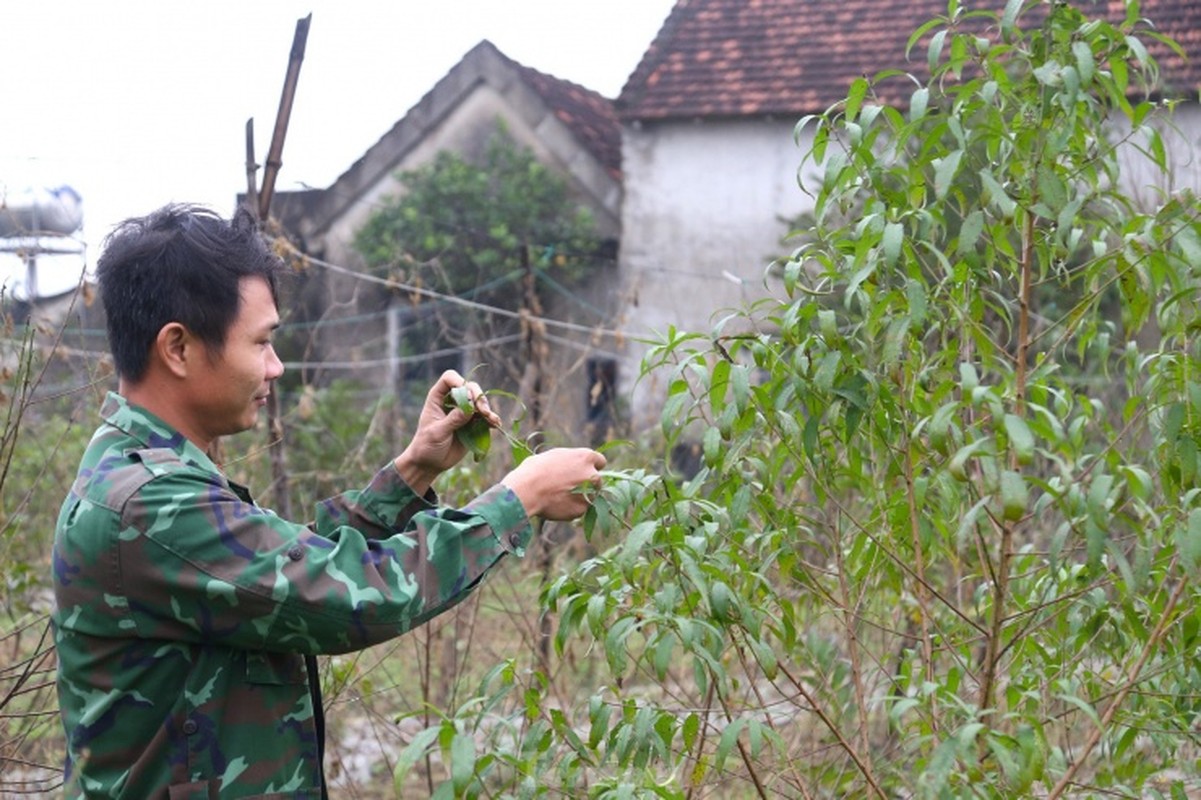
x=706, y=209
x=1142, y=179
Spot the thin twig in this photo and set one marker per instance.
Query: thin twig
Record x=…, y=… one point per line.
x=1132, y=680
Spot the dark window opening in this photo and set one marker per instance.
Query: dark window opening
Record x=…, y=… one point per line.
x=599, y=416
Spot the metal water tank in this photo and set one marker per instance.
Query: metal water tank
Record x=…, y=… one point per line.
x=38, y=211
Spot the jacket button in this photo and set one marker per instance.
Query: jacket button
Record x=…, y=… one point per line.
x=515, y=540
x=296, y=552
x=190, y=727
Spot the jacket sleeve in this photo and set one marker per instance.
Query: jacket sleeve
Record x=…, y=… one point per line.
x=196, y=562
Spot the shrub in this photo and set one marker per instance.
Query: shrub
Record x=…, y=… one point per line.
x=946, y=535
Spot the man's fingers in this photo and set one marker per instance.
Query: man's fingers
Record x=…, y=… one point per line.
x=480, y=401
x=453, y=392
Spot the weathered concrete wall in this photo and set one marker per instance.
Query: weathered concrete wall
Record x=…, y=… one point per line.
x=707, y=206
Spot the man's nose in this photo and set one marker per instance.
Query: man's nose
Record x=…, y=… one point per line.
x=275, y=367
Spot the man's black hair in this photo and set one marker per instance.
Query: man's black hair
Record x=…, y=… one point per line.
x=182, y=263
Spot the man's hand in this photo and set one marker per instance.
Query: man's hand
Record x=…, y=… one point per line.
x=434, y=447
x=557, y=484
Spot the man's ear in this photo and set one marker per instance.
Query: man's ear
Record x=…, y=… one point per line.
x=174, y=346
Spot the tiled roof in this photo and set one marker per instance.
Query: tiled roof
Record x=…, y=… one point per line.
x=588, y=115
x=590, y=118
x=730, y=58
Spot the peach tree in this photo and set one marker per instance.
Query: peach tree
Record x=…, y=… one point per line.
x=946, y=535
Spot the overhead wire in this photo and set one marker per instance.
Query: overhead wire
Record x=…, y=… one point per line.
x=421, y=291
x=397, y=360
x=438, y=297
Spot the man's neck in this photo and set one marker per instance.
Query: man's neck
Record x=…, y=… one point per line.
x=160, y=399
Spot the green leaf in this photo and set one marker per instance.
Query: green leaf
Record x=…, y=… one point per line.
x=460, y=397
x=828, y=369
x=1138, y=480
x=741, y=384
x=855, y=95
x=711, y=447
x=1188, y=542
x=1052, y=190
x=894, y=237
x=967, y=525
x=940, y=425
x=598, y=715
x=766, y=657
x=1139, y=50
x=615, y=644
x=969, y=232
x=996, y=195
x=918, y=103
x=1021, y=440
x=597, y=607
x=1189, y=242
x=915, y=295
x=661, y=655
x=933, y=779
x=1009, y=18
x=934, y=52
x=968, y=379
x=462, y=761
x=810, y=435
x=1084, y=706
x=828, y=324
x=1015, y=495
x=413, y=752
x=719, y=382
x=722, y=602
x=1003, y=750
x=894, y=340
x=967, y=735
x=1086, y=64
x=921, y=31
x=1071, y=87
x=729, y=738
x=636, y=540
x=476, y=434
x=944, y=172
x=899, y=709
x=1098, y=497
x=958, y=464
x=1094, y=541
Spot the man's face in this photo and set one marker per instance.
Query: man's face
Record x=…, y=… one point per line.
x=234, y=382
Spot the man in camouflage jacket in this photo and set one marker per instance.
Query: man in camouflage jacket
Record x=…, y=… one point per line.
x=187, y=616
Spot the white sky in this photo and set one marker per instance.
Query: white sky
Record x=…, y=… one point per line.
x=136, y=103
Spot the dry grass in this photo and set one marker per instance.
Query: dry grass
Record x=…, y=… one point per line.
x=31, y=746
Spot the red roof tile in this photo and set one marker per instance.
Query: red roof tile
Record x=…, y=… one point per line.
x=765, y=57
x=588, y=115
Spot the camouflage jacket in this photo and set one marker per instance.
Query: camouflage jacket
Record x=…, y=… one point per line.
x=184, y=611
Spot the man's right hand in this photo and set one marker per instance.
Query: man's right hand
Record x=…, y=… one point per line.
x=557, y=484
x=434, y=447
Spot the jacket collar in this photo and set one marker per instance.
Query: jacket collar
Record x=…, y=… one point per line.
x=151, y=432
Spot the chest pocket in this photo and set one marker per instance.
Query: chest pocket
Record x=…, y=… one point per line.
x=275, y=669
